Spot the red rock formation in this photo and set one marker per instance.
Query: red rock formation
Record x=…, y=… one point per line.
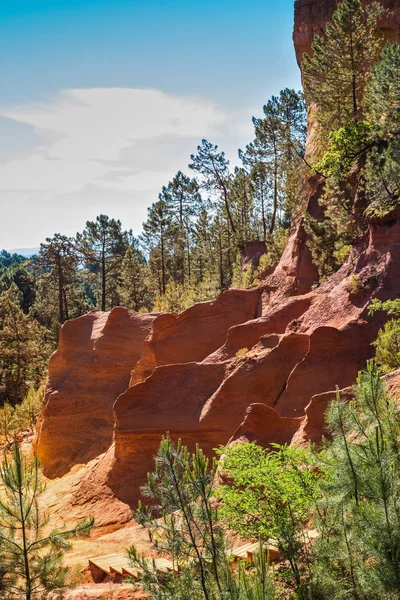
x=203, y=325
x=119, y=380
x=91, y=367
x=311, y=17
x=263, y=425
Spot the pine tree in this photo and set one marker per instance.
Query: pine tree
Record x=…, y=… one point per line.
x=358, y=553
x=337, y=72
x=23, y=276
x=184, y=201
x=30, y=560
x=102, y=246
x=158, y=232
x=183, y=524
x=57, y=258
x=134, y=290
x=214, y=168
x=274, y=157
x=383, y=110
x=23, y=347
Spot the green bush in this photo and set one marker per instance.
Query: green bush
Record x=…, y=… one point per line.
x=27, y=413
x=23, y=416
x=387, y=346
x=387, y=343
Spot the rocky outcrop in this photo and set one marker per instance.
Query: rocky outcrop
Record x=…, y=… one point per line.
x=204, y=324
x=311, y=17
x=258, y=365
x=89, y=370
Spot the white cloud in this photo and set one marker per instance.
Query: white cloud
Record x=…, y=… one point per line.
x=118, y=144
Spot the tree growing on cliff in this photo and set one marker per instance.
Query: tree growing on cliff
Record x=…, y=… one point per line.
x=102, y=246
x=338, y=70
x=30, y=560
x=383, y=111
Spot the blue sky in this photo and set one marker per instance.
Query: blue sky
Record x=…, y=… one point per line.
x=76, y=70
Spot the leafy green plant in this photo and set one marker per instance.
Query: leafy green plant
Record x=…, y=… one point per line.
x=7, y=423
x=387, y=343
x=183, y=525
x=270, y=497
x=242, y=352
x=27, y=412
x=354, y=285
x=387, y=346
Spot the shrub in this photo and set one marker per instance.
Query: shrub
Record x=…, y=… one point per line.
x=387, y=343
x=242, y=352
x=26, y=414
x=387, y=346
x=354, y=285
x=183, y=524
x=23, y=416
x=7, y=425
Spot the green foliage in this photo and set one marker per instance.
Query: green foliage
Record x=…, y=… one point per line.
x=134, y=288
x=345, y=146
x=27, y=412
x=326, y=245
x=243, y=278
x=175, y=299
x=387, y=343
x=31, y=560
x=354, y=285
x=387, y=346
x=7, y=422
x=336, y=74
x=101, y=247
x=23, y=347
x=342, y=253
x=357, y=102
x=383, y=109
x=391, y=307
x=23, y=416
x=333, y=512
x=357, y=553
x=183, y=524
x=275, y=156
x=270, y=497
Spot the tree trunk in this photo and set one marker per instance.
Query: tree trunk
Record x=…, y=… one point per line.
x=103, y=278
x=162, y=263
x=273, y=221
x=60, y=291
x=264, y=224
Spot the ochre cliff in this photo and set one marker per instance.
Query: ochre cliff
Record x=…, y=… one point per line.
x=121, y=380
x=311, y=17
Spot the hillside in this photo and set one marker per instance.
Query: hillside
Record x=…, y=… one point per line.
x=256, y=364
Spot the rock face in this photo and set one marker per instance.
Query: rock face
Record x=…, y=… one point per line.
x=311, y=17
x=257, y=365
x=120, y=380
x=90, y=368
